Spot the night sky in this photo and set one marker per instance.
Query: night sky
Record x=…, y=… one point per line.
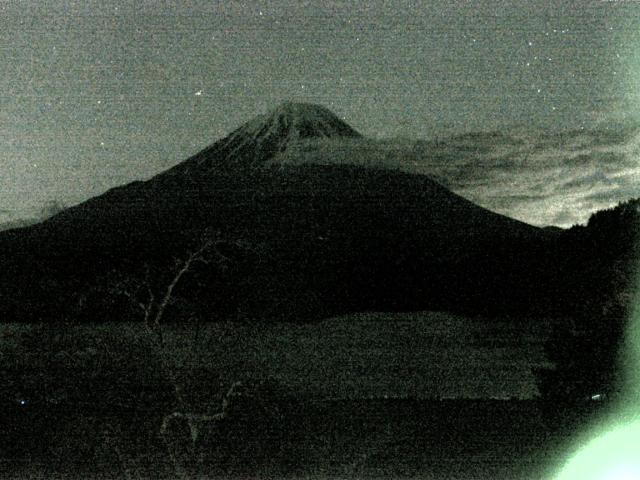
x=95, y=95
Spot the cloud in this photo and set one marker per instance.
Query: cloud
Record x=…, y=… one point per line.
x=542, y=178
x=556, y=178
x=564, y=217
x=589, y=181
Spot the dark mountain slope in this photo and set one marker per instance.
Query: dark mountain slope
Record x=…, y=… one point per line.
x=319, y=239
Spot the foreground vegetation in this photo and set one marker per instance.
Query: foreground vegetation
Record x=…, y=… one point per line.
x=280, y=400
x=452, y=439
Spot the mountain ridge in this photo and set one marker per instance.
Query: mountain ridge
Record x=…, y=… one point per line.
x=259, y=139
x=331, y=239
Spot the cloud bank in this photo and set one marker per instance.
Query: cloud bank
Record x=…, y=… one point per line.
x=541, y=178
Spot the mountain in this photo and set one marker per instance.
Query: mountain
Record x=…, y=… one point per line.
x=541, y=177
x=260, y=139
x=306, y=239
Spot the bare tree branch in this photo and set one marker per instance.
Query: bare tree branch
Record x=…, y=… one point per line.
x=153, y=299
x=195, y=421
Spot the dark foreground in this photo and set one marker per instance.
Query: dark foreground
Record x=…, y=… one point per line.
x=395, y=438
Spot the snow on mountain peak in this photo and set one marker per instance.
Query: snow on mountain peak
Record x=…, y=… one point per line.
x=290, y=121
x=263, y=137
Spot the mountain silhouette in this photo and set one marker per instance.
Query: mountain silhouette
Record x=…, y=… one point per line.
x=319, y=239
x=258, y=140
x=49, y=209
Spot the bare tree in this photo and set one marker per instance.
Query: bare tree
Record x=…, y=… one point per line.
x=152, y=300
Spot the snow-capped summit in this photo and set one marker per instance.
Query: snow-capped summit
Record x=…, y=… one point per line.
x=261, y=138
x=293, y=120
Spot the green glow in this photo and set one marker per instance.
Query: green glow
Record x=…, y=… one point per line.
x=614, y=455
x=613, y=449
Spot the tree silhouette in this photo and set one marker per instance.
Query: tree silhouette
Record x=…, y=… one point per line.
x=585, y=347
x=151, y=294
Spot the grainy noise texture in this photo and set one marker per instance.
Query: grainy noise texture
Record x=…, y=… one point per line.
x=96, y=94
x=332, y=239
